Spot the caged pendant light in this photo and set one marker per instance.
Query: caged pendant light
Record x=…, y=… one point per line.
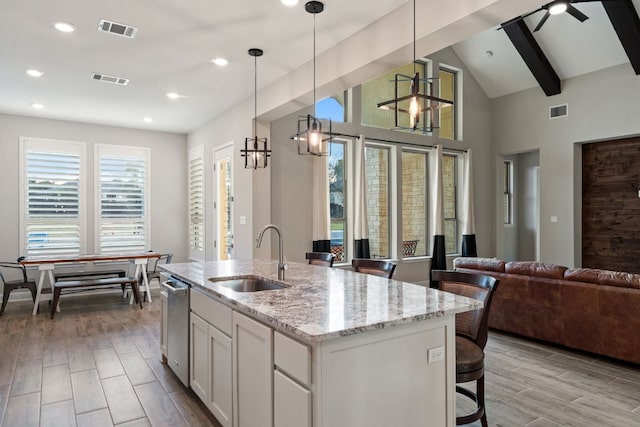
x=417, y=101
x=256, y=156
x=311, y=138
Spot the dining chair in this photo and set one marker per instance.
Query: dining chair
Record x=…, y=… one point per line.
x=374, y=266
x=9, y=284
x=472, y=330
x=153, y=272
x=320, y=258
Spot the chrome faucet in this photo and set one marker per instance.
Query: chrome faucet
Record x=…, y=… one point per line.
x=281, y=264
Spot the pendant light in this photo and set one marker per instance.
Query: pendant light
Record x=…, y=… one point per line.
x=413, y=102
x=256, y=156
x=311, y=138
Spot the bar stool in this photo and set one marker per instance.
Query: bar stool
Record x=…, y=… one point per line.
x=10, y=285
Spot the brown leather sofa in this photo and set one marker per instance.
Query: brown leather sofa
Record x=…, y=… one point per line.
x=583, y=308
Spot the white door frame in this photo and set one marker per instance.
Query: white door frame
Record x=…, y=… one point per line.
x=225, y=151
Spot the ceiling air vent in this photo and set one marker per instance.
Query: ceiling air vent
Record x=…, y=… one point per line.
x=558, y=111
x=110, y=79
x=118, y=29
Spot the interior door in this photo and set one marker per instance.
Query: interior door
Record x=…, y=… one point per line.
x=223, y=159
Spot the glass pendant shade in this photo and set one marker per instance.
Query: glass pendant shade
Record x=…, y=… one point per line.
x=311, y=138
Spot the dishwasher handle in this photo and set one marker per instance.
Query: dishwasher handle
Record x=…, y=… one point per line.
x=173, y=289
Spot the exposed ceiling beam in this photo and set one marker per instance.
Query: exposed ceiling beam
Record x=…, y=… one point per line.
x=625, y=21
x=532, y=54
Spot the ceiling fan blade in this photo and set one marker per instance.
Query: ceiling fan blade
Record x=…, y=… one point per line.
x=576, y=14
x=542, y=21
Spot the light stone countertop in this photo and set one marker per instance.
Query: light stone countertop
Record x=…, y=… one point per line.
x=321, y=303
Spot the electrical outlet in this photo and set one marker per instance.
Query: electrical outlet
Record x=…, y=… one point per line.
x=435, y=354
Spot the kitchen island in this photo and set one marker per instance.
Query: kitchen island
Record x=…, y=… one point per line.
x=331, y=348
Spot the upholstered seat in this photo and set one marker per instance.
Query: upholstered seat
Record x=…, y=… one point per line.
x=471, y=335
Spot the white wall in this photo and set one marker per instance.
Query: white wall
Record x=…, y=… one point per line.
x=603, y=105
x=168, y=177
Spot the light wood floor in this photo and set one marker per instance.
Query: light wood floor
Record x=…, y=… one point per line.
x=98, y=364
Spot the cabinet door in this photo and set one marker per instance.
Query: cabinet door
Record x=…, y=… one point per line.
x=252, y=373
x=291, y=402
x=220, y=393
x=163, y=324
x=200, y=360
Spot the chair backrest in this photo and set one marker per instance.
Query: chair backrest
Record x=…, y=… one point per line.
x=374, y=266
x=13, y=268
x=163, y=259
x=471, y=324
x=320, y=258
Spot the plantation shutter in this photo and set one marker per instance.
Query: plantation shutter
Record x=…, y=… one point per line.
x=123, y=201
x=196, y=201
x=52, y=220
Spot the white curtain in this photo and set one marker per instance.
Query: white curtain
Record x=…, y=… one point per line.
x=321, y=215
x=361, y=221
x=468, y=216
x=438, y=257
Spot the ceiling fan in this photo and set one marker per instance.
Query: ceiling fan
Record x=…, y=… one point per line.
x=560, y=6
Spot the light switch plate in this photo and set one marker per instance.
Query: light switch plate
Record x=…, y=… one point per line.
x=435, y=354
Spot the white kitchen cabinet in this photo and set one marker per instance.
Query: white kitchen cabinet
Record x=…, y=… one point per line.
x=164, y=307
x=252, y=372
x=220, y=382
x=211, y=356
x=199, y=363
x=291, y=402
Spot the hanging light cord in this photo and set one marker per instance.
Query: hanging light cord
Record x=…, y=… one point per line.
x=314, y=65
x=414, y=37
x=255, y=97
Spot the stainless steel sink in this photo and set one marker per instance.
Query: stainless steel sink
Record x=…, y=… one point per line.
x=248, y=284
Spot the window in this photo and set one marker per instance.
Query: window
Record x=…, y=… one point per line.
x=337, y=200
x=450, y=199
x=331, y=108
x=414, y=204
x=507, y=188
x=448, y=112
x=122, y=187
x=196, y=203
x=378, y=200
x=52, y=214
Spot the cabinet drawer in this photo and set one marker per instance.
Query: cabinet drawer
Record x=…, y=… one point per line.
x=291, y=403
x=293, y=358
x=217, y=314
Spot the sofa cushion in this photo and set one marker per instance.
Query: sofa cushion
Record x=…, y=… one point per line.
x=603, y=277
x=535, y=269
x=486, y=264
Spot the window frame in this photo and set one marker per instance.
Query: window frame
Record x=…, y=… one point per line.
x=347, y=218
x=390, y=149
x=111, y=150
x=425, y=152
x=456, y=197
x=457, y=100
x=53, y=146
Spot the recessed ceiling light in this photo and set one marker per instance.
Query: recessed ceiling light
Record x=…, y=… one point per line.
x=34, y=73
x=37, y=106
x=173, y=95
x=148, y=119
x=289, y=2
x=64, y=27
x=220, y=61
x=558, y=8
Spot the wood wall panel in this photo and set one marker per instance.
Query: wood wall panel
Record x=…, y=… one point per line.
x=610, y=205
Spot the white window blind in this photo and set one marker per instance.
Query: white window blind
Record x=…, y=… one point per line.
x=123, y=182
x=196, y=201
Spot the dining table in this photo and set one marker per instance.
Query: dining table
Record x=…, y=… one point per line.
x=47, y=264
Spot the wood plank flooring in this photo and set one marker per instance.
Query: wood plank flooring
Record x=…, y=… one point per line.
x=98, y=364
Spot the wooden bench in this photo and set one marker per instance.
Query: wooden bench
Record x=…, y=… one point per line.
x=93, y=284
x=94, y=273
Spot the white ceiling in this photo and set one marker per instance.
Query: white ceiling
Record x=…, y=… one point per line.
x=176, y=39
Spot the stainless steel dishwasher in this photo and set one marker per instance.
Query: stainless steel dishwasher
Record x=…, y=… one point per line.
x=178, y=327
